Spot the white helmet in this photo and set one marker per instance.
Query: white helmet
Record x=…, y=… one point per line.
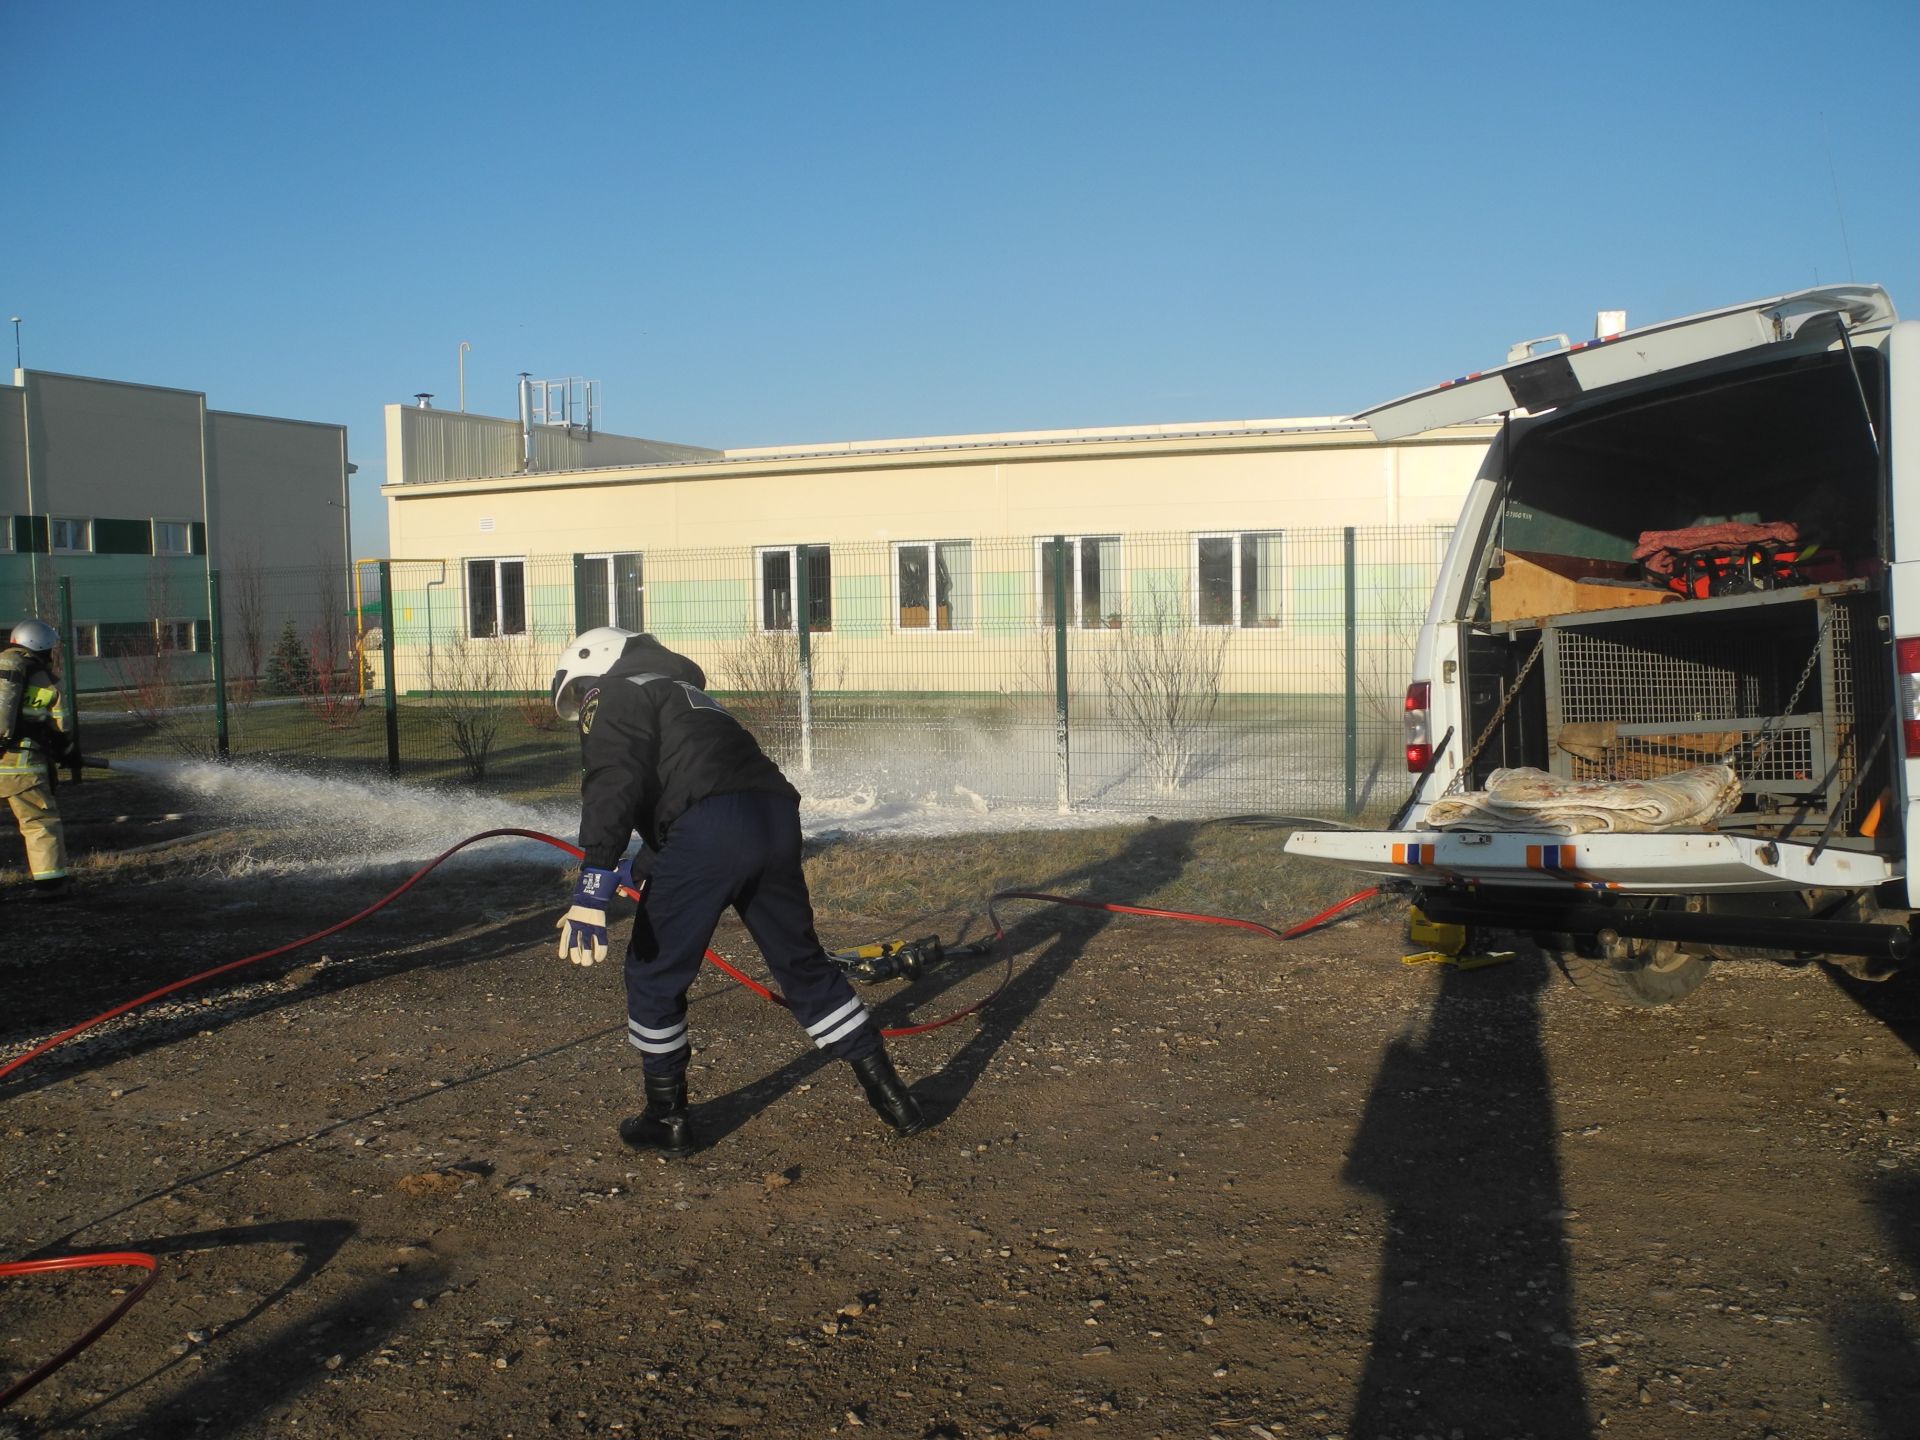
x=35, y=635
x=588, y=656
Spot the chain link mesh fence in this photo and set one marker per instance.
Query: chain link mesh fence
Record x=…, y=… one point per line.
x=1254, y=671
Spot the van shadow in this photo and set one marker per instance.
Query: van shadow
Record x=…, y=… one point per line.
x=1060, y=935
x=1473, y=1325
x=1876, y=1340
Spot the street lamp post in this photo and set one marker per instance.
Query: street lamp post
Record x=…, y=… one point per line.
x=16, y=342
x=464, y=347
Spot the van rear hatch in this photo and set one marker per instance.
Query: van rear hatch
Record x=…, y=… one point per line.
x=1542, y=382
x=1637, y=864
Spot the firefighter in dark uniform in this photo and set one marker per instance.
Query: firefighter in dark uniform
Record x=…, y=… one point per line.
x=33, y=739
x=720, y=827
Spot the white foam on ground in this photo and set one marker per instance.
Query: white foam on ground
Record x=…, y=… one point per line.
x=298, y=821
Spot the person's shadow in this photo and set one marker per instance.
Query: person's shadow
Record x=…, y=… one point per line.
x=1473, y=1330
x=1060, y=935
x=1877, y=1339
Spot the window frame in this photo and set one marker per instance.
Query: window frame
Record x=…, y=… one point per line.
x=760, y=593
x=160, y=628
x=499, y=590
x=613, y=595
x=1043, y=581
x=966, y=605
x=54, y=547
x=186, y=538
x=85, y=641
x=1236, y=581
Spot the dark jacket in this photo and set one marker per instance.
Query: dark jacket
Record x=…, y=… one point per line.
x=652, y=744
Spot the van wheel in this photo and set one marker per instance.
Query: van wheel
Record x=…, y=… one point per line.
x=1656, y=973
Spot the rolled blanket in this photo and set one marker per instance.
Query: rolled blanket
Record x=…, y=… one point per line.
x=1658, y=549
x=1528, y=799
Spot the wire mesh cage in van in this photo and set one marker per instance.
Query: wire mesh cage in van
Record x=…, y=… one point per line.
x=1774, y=690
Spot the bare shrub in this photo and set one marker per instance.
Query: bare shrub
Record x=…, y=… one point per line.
x=1163, y=683
x=470, y=695
x=159, y=694
x=526, y=671
x=244, y=625
x=334, y=692
x=761, y=674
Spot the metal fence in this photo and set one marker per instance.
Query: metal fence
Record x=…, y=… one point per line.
x=1226, y=672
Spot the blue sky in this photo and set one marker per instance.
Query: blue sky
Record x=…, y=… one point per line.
x=758, y=223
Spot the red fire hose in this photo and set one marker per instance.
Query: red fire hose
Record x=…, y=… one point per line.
x=106, y=1259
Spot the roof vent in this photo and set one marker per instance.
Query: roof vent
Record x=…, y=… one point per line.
x=420, y=400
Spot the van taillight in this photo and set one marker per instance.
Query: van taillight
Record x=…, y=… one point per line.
x=1419, y=732
x=1906, y=655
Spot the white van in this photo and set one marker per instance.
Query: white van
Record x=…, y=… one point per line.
x=1589, y=623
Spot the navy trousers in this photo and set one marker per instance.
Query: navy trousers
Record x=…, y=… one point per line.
x=742, y=851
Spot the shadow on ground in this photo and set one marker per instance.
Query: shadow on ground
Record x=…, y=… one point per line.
x=1879, y=1344
x=1459, y=1141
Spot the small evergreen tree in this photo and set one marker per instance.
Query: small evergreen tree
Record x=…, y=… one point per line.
x=289, y=667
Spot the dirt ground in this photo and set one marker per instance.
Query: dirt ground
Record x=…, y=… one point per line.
x=1185, y=1182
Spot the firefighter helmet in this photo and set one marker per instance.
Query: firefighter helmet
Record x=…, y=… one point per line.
x=35, y=635
x=588, y=656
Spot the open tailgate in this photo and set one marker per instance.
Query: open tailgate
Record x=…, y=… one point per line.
x=1562, y=376
x=1672, y=864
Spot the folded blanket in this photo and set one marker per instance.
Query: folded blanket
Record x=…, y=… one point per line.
x=1532, y=800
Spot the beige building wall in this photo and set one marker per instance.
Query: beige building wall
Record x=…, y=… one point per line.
x=696, y=526
x=1331, y=475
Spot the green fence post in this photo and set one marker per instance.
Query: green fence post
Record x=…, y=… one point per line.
x=803, y=624
x=388, y=615
x=1353, y=678
x=1061, y=731
x=222, y=738
x=69, y=695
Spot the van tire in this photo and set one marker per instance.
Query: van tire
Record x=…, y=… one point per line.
x=1638, y=982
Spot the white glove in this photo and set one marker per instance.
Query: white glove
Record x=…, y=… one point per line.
x=583, y=929
x=583, y=935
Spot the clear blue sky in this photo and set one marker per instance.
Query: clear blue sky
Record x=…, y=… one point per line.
x=758, y=223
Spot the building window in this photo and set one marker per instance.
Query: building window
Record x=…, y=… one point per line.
x=933, y=585
x=172, y=537
x=1094, y=595
x=71, y=536
x=173, y=636
x=777, y=567
x=1237, y=578
x=612, y=592
x=496, y=598
x=86, y=642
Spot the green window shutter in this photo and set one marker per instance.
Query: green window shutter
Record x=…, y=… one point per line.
x=122, y=537
x=30, y=533
x=580, y=594
x=199, y=541
x=203, y=637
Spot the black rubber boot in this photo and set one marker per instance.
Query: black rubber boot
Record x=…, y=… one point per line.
x=888, y=1094
x=664, y=1124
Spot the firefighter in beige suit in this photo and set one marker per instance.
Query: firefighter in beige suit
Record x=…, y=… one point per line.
x=33, y=739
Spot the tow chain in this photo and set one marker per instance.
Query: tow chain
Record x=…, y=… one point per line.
x=1758, y=746
x=1466, y=763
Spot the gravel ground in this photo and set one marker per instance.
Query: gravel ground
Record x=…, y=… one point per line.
x=1184, y=1183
